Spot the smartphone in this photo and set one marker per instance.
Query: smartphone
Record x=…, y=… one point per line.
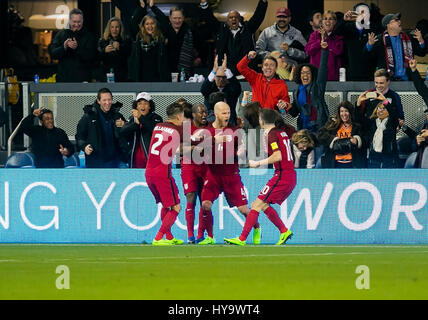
x=371, y=95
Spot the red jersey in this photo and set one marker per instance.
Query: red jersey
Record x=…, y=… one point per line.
x=278, y=140
x=166, y=139
x=189, y=158
x=224, y=155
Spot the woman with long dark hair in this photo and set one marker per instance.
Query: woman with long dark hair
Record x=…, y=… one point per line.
x=342, y=140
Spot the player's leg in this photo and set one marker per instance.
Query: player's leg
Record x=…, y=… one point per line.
x=190, y=216
x=250, y=222
x=207, y=219
x=171, y=202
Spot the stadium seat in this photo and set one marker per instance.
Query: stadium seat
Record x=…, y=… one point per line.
x=411, y=160
x=20, y=160
x=72, y=162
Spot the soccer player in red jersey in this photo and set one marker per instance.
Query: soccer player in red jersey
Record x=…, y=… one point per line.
x=166, y=140
x=223, y=172
x=280, y=186
x=193, y=169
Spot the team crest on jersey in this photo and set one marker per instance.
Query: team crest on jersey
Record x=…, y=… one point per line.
x=186, y=186
x=283, y=134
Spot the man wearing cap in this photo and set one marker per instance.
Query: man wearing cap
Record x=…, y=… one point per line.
x=393, y=49
x=235, y=38
x=282, y=37
x=137, y=132
x=48, y=143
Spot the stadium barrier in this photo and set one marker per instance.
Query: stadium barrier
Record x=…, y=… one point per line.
x=377, y=206
x=66, y=100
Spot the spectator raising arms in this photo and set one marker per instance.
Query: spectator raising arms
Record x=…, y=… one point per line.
x=138, y=130
x=335, y=46
x=235, y=38
x=180, y=50
x=342, y=140
x=75, y=50
x=393, y=49
x=270, y=91
x=221, y=79
x=114, y=49
x=48, y=143
x=383, y=151
x=148, y=61
x=308, y=99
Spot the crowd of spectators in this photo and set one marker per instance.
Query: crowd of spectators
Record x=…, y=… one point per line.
x=371, y=47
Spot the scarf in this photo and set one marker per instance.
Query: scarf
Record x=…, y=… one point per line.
x=389, y=53
x=185, y=59
x=378, y=136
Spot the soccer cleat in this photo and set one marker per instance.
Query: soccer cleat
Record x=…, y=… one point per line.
x=207, y=240
x=176, y=241
x=162, y=242
x=200, y=239
x=236, y=241
x=257, y=235
x=191, y=240
x=284, y=237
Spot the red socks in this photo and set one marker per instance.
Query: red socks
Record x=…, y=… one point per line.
x=275, y=219
x=168, y=219
x=190, y=218
x=250, y=222
x=206, y=221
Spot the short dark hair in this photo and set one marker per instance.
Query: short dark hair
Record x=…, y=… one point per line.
x=311, y=15
x=174, y=109
x=187, y=107
x=215, y=97
x=314, y=72
x=44, y=111
x=252, y=112
x=75, y=11
x=103, y=90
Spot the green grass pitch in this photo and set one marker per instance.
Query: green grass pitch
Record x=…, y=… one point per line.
x=213, y=272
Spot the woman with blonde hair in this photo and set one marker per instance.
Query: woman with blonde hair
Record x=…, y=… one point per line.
x=303, y=149
x=148, y=60
x=114, y=48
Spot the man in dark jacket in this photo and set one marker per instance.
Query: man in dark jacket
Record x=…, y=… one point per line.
x=393, y=49
x=75, y=48
x=138, y=130
x=235, y=38
x=221, y=79
x=98, y=132
x=48, y=143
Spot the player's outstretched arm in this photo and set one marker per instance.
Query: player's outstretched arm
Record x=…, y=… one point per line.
x=274, y=157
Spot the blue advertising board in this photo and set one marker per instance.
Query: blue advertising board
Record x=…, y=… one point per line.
x=349, y=206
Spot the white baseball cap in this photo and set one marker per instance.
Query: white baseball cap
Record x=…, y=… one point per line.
x=144, y=95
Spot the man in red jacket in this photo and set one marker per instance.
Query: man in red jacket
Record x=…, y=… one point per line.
x=268, y=89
